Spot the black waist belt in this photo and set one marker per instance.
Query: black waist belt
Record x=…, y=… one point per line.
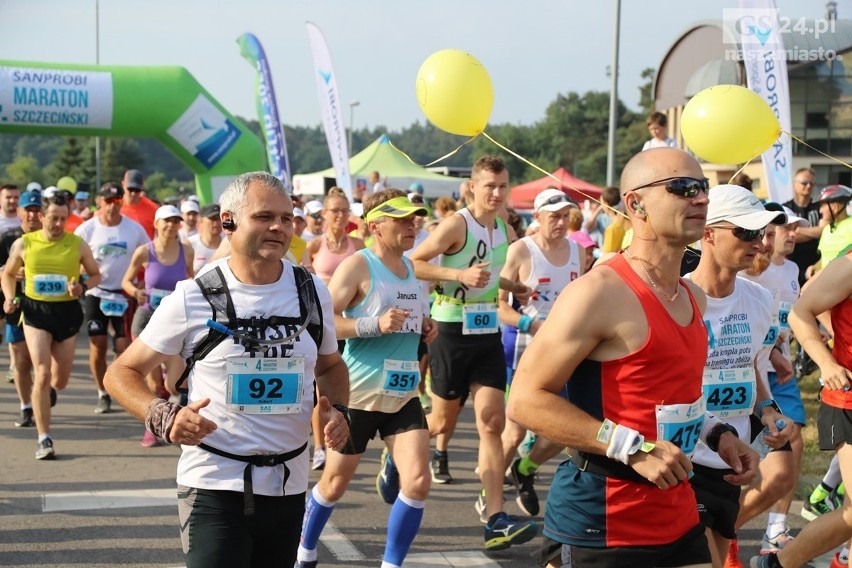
x=259, y=461
x=602, y=465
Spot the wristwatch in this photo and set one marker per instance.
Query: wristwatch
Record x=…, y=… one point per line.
x=344, y=410
x=769, y=402
x=716, y=433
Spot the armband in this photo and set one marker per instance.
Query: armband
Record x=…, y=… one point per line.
x=368, y=327
x=524, y=324
x=160, y=417
x=716, y=433
x=761, y=405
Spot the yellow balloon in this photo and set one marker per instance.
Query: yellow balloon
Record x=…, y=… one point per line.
x=728, y=124
x=455, y=92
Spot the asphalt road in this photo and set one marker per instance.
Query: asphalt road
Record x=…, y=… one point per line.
x=107, y=501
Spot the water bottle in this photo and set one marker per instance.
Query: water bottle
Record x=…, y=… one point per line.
x=759, y=444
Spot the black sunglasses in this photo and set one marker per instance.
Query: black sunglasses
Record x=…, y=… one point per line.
x=556, y=199
x=315, y=216
x=745, y=235
x=683, y=186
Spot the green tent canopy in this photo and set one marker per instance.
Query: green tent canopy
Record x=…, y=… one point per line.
x=391, y=163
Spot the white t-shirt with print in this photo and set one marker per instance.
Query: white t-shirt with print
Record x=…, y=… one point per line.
x=179, y=324
x=113, y=249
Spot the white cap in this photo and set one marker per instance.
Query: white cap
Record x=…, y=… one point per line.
x=314, y=206
x=741, y=207
x=189, y=206
x=552, y=200
x=166, y=212
x=793, y=218
x=192, y=198
x=298, y=212
x=34, y=186
x=49, y=192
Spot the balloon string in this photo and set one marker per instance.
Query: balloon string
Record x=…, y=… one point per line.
x=433, y=162
x=550, y=175
x=739, y=171
x=800, y=141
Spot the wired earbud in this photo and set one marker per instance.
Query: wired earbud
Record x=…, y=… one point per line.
x=636, y=207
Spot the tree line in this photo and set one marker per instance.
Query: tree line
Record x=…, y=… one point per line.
x=572, y=134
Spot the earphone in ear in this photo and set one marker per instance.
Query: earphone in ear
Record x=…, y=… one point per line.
x=636, y=207
x=229, y=225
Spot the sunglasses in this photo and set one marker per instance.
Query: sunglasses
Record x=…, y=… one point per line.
x=556, y=199
x=113, y=200
x=682, y=186
x=804, y=182
x=745, y=235
x=315, y=216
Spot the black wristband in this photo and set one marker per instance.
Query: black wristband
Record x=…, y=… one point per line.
x=716, y=433
x=344, y=410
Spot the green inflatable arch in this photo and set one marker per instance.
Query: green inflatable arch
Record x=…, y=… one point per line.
x=165, y=103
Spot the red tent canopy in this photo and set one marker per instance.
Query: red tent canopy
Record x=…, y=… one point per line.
x=522, y=196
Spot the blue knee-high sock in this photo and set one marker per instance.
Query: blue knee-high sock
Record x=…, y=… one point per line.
x=403, y=523
x=317, y=513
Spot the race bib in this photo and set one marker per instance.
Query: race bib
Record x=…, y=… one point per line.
x=264, y=385
x=114, y=308
x=157, y=296
x=772, y=334
x=729, y=392
x=783, y=314
x=681, y=424
x=479, y=319
x=50, y=285
x=400, y=377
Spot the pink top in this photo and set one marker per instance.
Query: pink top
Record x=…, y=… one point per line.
x=326, y=262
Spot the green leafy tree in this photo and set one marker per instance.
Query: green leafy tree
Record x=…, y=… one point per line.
x=22, y=170
x=118, y=156
x=68, y=161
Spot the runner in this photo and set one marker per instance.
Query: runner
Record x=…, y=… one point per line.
x=629, y=339
x=207, y=240
x=466, y=358
x=166, y=261
x=51, y=309
x=112, y=238
x=381, y=311
x=243, y=470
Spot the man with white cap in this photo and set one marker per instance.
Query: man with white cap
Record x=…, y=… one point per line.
x=313, y=220
x=206, y=242
x=189, y=211
x=781, y=278
x=738, y=320
x=545, y=262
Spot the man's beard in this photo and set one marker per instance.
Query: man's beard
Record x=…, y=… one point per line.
x=761, y=262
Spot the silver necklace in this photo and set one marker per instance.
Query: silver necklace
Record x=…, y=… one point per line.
x=656, y=288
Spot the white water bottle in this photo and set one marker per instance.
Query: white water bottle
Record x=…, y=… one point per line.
x=759, y=443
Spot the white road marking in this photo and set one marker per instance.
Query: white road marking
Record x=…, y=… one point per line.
x=339, y=545
x=115, y=499
x=459, y=559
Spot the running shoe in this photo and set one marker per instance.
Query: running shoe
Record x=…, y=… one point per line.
x=441, y=469
x=44, y=450
x=836, y=563
x=525, y=484
x=732, y=560
x=811, y=511
x=387, y=481
x=319, y=459
x=27, y=420
x=505, y=531
x=480, y=507
x=775, y=543
x=104, y=404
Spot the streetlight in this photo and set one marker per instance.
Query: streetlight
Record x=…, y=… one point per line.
x=352, y=106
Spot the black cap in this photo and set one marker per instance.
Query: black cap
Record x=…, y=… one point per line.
x=111, y=190
x=133, y=179
x=211, y=210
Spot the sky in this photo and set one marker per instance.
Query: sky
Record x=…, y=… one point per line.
x=533, y=50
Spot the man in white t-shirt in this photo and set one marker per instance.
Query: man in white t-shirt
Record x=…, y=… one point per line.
x=112, y=238
x=781, y=278
x=313, y=220
x=243, y=470
x=209, y=237
x=9, y=195
x=658, y=126
x=738, y=321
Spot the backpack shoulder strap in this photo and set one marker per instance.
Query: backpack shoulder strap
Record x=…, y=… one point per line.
x=215, y=290
x=309, y=305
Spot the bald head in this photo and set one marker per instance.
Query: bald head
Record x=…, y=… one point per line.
x=656, y=164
